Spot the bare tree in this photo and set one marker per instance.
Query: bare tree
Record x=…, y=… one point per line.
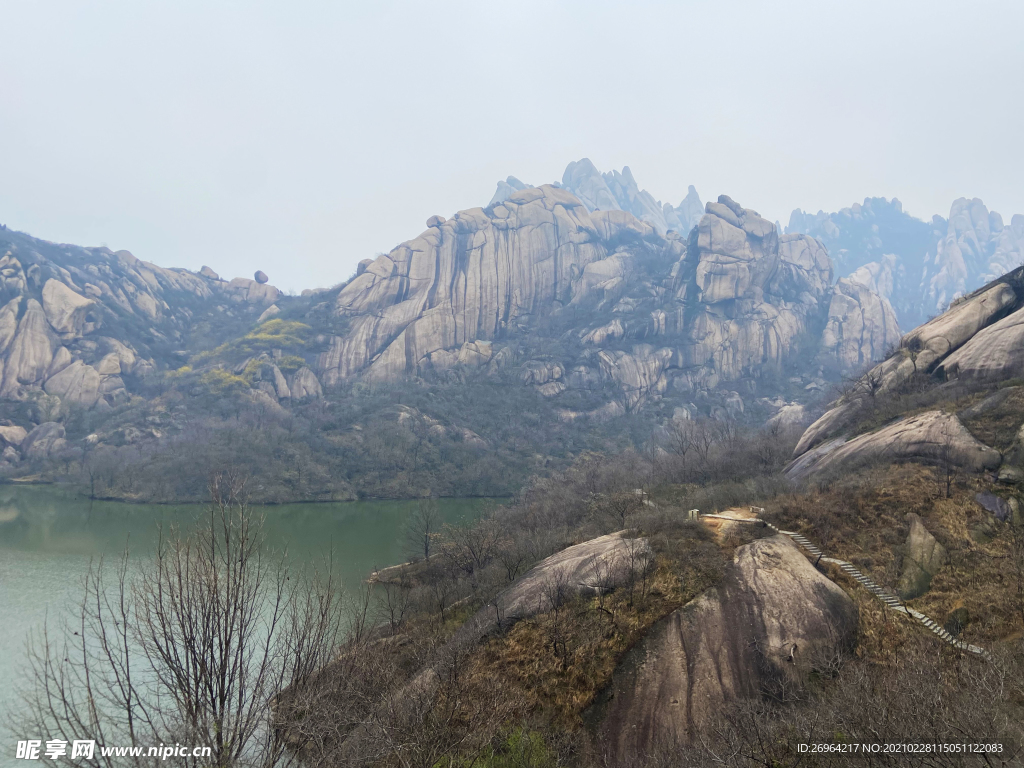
x=948, y=460
x=190, y=647
x=394, y=602
x=423, y=529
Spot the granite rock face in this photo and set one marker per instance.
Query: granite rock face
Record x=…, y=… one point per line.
x=932, y=262
x=764, y=625
x=977, y=339
x=476, y=275
x=74, y=321
x=995, y=353
x=660, y=313
x=932, y=437
x=861, y=327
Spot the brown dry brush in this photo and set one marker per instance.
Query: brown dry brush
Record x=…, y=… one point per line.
x=925, y=698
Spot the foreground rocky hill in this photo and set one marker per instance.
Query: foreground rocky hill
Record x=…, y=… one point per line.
x=934, y=398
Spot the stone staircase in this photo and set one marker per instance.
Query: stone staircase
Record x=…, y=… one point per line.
x=891, y=601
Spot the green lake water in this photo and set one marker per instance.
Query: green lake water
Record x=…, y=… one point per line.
x=48, y=539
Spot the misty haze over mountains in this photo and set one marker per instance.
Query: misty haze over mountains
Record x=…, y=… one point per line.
x=919, y=266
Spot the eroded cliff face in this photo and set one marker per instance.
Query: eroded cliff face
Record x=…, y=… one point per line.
x=465, y=279
x=617, y=302
x=74, y=322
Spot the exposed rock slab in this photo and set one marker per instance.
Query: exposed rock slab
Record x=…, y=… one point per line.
x=937, y=338
x=767, y=622
x=995, y=353
x=597, y=565
x=933, y=437
x=923, y=556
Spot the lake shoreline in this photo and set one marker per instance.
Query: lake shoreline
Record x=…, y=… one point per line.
x=75, y=491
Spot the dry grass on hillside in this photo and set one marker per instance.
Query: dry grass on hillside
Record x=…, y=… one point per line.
x=556, y=663
x=862, y=519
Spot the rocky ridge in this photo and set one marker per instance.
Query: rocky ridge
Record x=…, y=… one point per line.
x=974, y=346
x=74, y=322
x=616, y=191
x=649, y=312
x=930, y=263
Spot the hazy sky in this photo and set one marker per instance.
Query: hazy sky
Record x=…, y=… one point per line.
x=300, y=137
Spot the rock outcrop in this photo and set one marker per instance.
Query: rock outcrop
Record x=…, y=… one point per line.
x=765, y=625
x=995, y=353
x=923, y=556
x=733, y=301
x=978, y=321
x=479, y=273
x=43, y=441
x=304, y=383
x=595, y=566
x=74, y=321
x=861, y=326
x=933, y=437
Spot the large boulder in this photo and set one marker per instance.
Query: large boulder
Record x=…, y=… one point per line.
x=77, y=383
x=933, y=437
x=43, y=441
x=771, y=618
x=995, y=353
x=304, y=383
x=65, y=310
x=591, y=567
x=12, y=435
x=247, y=291
x=923, y=556
x=30, y=352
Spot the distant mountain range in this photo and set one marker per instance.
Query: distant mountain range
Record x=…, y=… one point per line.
x=591, y=296
x=919, y=266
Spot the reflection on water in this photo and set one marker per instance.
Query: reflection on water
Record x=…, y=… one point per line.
x=48, y=538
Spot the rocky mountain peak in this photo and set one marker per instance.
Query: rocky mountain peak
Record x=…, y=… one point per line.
x=617, y=191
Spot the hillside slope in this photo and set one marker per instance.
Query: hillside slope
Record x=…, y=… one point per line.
x=581, y=318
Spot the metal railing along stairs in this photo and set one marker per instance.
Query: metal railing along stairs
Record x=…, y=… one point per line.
x=891, y=601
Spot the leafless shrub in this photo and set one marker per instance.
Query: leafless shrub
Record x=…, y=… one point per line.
x=192, y=646
x=423, y=529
